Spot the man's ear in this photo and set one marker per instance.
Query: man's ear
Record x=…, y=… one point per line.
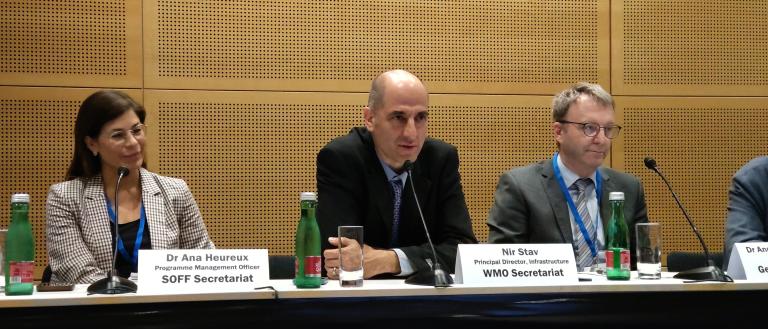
x=368, y=118
x=557, y=130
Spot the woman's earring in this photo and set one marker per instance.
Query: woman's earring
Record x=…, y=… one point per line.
x=95, y=153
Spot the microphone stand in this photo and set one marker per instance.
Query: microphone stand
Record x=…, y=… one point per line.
x=709, y=272
x=437, y=277
x=114, y=284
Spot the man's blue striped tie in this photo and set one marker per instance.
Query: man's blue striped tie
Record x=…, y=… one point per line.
x=583, y=254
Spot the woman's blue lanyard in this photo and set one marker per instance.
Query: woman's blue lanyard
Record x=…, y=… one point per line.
x=572, y=206
x=139, y=235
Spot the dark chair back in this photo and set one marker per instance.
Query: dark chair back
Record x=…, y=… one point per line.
x=678, y=261
x=281, y=267
x=46, y=274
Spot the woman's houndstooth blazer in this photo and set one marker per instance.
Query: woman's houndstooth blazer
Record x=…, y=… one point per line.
x=78, y=226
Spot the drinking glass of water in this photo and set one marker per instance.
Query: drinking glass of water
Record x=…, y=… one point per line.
x=648, y=250
x=351, y=256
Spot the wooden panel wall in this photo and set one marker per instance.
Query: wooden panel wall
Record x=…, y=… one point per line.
x=498, y=47
x=241, y=94
x=689, y=47
x=698, y=143
x=71, y=43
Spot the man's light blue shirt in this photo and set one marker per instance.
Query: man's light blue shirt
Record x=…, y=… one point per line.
x=570, y=177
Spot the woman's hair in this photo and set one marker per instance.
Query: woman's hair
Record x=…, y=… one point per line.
x=98, y=109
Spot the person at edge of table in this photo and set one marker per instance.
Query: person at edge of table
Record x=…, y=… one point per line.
x=747, y=206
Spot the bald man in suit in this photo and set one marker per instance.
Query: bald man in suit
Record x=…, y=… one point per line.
x=358, y=174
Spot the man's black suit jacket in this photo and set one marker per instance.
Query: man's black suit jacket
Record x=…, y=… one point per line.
x=353, y=190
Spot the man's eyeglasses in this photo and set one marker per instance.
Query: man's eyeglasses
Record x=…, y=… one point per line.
x=591, y=129
x=120, y=136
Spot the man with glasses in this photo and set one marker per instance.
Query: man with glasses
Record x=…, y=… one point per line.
x=565, y=199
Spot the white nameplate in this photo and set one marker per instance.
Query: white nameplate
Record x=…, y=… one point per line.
x=202, y=270
x=749, y=261
x=515, y=264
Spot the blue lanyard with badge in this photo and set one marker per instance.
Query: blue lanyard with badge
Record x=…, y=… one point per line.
x=139, y=235
x=572, y=206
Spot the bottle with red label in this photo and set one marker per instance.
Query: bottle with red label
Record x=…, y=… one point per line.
x=19, y=262
x=617, y=262
x=307, y=248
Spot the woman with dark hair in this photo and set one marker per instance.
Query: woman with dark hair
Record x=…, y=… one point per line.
x=153, y=212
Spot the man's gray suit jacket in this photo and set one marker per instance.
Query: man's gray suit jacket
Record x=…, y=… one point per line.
x=529, y=206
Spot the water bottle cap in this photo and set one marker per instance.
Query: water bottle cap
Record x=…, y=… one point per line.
x=20, y=198
x=308, y=196
x=616, y=196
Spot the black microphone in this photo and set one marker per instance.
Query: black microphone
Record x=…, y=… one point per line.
x=437, y=278
x=114, y=284
x=709, y=272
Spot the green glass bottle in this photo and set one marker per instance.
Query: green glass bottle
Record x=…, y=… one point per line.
x=617, y=261
x=307, y=248
x=19, y=262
